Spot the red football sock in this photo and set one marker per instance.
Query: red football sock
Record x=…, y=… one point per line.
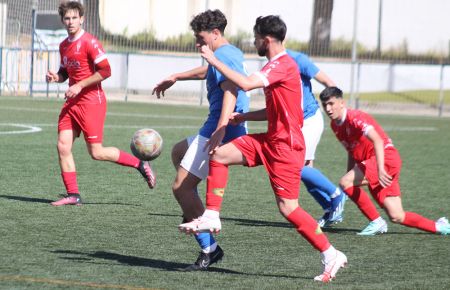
x=417, y=221
x=215, y=184
x=126, y=159
x=70, y=181
x=309, y=229
x=362, y=200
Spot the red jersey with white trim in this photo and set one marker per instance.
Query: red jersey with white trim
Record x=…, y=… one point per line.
x=79, y=57
x=283, y=91
x=352, y=132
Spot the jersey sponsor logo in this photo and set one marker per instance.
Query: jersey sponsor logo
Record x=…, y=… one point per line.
x=70, y=63
x=92, y=137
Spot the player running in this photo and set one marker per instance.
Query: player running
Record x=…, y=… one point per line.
x=281, y=149
x=84, y=63
x=373, y=161
x=189, y=156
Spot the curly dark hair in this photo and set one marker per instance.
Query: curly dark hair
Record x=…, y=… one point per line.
x=70, y=5
x=270, y=25
x=209, y=20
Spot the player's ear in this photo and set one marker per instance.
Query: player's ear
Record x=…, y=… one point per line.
x=81, y=19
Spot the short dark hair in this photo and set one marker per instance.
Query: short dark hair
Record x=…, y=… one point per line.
x=330, y=92
x=270, y=25
x=70, y=5
x=208, y=21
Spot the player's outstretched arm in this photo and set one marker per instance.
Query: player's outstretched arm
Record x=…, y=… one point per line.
x=244, y=82
x=260, y=115
x=324, y=79
x=198, y=73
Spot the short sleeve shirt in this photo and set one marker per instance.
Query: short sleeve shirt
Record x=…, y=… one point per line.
x=234, y=59
x=283, y=93
x=352, y=134
x=79, y=57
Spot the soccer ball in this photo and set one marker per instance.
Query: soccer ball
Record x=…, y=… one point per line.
x=146, y=144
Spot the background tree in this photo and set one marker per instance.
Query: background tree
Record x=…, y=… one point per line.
x=319, y=42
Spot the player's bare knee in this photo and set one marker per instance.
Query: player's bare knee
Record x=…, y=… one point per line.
x=345, y=183
x=96, y=154
x=63, y=148
x=397, y=217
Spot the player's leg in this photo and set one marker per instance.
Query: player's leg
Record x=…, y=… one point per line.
x=394, y=209
x=328, y=195
x=91, y=118
x=351, y=183
x=227, y=154
x=285, y=181
x=68, y=131
x=191, y=163
x=318, y=185
x=178, y=152
x=68, y=169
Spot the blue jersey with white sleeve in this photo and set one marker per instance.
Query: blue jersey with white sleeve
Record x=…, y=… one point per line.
x=308, y=70
x=234, y=59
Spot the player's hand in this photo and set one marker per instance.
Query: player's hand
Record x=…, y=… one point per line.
x=216, y=139
x=207, y=54
x=236, y=119
x=384, y=178
x=73, y=91
x=51, y=77
x=162, y=86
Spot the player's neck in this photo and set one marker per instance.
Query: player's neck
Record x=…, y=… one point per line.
x=220, y=42
x=274, y=50
x=76, y=35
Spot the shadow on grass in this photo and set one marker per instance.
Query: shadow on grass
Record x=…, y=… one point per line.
x=238, y=221
x=152, y=263
x=44, y=200
x=27, y=199
x=260, y=223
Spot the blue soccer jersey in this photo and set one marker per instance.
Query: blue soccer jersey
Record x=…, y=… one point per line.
x=234, y=59
x=308, y=70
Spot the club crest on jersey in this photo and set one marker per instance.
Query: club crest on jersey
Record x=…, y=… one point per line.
x=78, y=48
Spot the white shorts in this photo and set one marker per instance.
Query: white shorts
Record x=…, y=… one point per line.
x=196, y=161
x=312, y=131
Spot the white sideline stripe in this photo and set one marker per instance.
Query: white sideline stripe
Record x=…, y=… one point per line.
x=407, y=129
x=109, y=114
x=28, y=129
x=387, y=128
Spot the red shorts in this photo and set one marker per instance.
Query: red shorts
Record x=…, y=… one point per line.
x=86, y=118
x=283, y=164
x=392, y=165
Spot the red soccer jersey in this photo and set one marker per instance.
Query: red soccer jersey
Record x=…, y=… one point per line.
x=79, y=57
x=352, y=134
x=283, y=91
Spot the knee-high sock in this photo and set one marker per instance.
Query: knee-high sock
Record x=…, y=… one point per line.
x=215, y=184
x=70, y=182
x=318, y=185
x=362, y=200
x=309, y=229
x=206, y=242
x=126, y=159
x=417, y=221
